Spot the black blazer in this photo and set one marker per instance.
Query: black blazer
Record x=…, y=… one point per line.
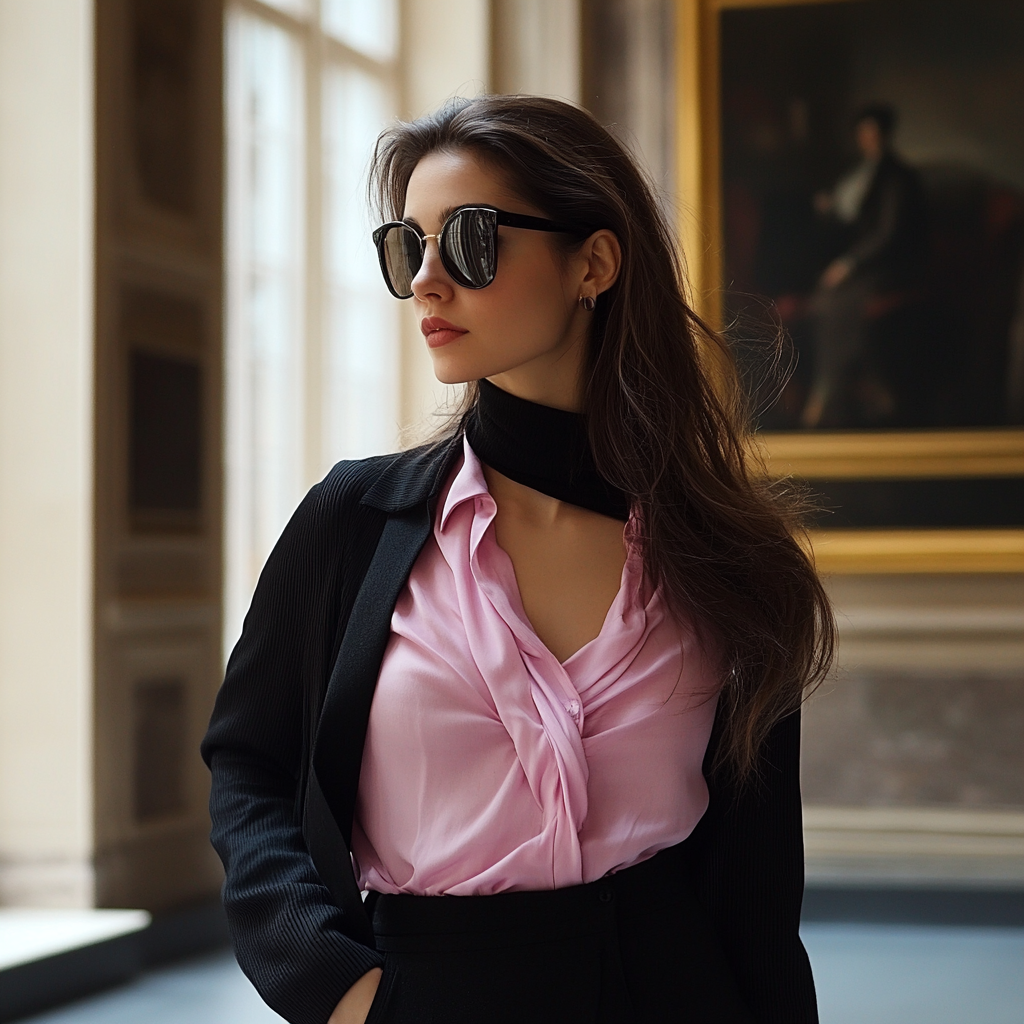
x=285, y=746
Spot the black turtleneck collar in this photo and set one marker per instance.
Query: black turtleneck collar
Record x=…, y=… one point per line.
x=543, y=448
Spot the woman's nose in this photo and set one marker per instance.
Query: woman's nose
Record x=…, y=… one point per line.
x=431, y=278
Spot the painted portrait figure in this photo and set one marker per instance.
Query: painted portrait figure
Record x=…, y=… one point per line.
x=872, y=179
x=879, y=205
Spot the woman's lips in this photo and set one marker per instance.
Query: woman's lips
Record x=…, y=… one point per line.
x=439, y=332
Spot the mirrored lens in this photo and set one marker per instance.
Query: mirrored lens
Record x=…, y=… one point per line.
x=469, y=247
x=403, y=257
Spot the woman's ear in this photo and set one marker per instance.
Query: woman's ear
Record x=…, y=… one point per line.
x=603, y=256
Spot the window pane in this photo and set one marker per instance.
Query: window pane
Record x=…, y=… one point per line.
x=366, y=25
x=264, y=442
x=361, y=316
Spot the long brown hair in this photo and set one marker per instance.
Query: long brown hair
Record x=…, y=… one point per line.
x=662, y=405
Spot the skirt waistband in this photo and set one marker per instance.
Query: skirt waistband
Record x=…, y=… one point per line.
x=406, y=924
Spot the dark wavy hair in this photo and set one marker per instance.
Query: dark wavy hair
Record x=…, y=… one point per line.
x=663, y=407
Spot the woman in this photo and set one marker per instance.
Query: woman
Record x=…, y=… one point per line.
x=534, y=688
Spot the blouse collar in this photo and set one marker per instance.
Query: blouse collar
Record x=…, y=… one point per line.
x=468, y=484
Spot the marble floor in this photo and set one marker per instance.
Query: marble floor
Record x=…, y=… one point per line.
x=882, y=974
x=903, y=974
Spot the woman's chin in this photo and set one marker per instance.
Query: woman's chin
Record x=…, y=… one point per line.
x=450, y=375
x=462, y=371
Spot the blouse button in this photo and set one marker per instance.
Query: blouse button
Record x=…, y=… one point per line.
x=606, y=895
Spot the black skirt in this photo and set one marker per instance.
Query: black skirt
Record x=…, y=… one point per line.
x=632, y=947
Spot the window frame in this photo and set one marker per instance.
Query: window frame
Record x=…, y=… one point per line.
x=318, y=53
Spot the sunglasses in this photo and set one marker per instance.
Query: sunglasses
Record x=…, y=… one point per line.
x=467, y=242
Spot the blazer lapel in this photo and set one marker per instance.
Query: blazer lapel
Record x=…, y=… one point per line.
x=404, y=493
x=338, y=751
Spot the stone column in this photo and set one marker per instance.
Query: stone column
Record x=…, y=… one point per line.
x=46, y=472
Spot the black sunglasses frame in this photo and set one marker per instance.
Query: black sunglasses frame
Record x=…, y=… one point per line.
x=502, y=219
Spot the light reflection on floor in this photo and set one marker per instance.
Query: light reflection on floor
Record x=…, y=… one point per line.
x=906, y=974
x=865, y=974
x=209, y=990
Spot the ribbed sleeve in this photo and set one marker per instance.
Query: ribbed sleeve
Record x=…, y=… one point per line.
x=748, y=857
x=289, y=937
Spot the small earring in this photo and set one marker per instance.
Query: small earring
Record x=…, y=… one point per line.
x=588, y=302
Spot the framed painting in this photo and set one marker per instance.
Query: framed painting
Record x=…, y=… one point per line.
x=852, y=173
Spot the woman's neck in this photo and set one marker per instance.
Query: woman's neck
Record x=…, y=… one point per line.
x=552, y=396
x=552, y=379
x=541, y=447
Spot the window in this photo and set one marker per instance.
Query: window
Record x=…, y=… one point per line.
x=312, y=353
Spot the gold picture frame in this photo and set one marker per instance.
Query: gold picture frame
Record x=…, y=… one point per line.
x=821, y=455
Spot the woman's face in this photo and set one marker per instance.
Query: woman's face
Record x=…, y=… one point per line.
x=870, y=141
x=526, y=330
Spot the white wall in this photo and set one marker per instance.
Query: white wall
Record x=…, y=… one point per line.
x=446, y=46
x=537, y=48
x=447, y=51
x=46, y=331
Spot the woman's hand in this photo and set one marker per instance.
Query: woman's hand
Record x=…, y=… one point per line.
x=836, y=273
x=355, y=1003
x=823, y=202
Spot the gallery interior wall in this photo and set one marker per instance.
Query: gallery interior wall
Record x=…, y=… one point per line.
x=110, y=317
x=158, y=440
x=108, y=599
x=911, y=753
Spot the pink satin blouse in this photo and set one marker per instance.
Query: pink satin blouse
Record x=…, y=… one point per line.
x=490, y=766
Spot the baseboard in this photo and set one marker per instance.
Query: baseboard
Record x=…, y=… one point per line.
x=41, y=984
x=889, y=904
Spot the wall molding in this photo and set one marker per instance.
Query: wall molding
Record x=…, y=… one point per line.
x=914, y=845
x=47, y=882
x=906, y=620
